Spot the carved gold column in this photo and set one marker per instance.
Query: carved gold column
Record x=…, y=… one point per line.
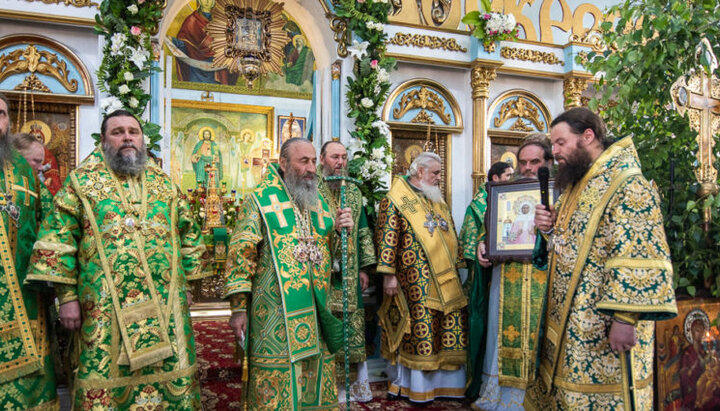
x=573, y=87
x=483, y=72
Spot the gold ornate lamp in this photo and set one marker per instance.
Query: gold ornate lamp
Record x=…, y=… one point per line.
x=248, y=37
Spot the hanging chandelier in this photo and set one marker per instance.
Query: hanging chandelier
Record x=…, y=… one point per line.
x=248, y=37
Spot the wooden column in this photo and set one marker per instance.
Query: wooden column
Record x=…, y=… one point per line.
x=483, y=72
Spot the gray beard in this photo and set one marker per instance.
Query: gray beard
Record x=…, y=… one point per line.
x=304, y=193
x=334, y=184
x=5, y=150
x=432, y=193
x=127, y=165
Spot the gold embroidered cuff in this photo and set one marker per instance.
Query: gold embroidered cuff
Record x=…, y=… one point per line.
x=627, y=318
x=65, y=293
x=385, y=270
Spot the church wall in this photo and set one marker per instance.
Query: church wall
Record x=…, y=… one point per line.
x=457, y=82
x=86, y=45
x=450, y=67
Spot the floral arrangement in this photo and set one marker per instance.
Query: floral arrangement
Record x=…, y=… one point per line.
x=127, y=26
x=491, y=27
x=370, y=152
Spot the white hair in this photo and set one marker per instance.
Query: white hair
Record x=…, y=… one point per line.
x=423, y=161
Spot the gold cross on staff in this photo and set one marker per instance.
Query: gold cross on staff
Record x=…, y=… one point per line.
x=278, y=209
x=699, y=96
x=25, y=188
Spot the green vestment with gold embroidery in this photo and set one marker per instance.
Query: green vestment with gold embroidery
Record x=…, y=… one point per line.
x=279, y=258
x=125, y=247
x=416, y=242
x=522, y=290
x=608, y=258
x=361, y=253
x=471, y=233
x=27, y=376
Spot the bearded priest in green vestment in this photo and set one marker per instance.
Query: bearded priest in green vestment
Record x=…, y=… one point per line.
x=120, y=247
x=361, y=254
x=27, y=377
x=610, y=274
x=423, y=317
x=517, y=295
x=278, y=283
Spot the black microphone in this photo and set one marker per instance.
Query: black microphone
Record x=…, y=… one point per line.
x=544, y=176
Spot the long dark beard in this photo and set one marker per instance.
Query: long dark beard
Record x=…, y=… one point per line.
x=304, y=192
x=574, y=168
x=127, y=165
x=5, y=150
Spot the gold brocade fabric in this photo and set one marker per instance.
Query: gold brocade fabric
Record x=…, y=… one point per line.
x=125, y=247
x=437, y=340
x=608, y=255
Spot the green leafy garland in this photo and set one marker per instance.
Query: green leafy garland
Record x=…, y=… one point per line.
x=370, y=150
x=637, y=72
x=127, y=26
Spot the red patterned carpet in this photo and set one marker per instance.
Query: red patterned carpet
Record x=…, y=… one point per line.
x=380, y=402
x=220, y=376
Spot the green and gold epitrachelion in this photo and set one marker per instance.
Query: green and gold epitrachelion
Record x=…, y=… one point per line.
x=279, y=257
x=27, y=379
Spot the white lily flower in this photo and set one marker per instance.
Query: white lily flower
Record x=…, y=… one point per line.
x=117, y=44
x=382, y=75
x=139, y=57
x=110, y=104
x=382, y=127
x=358, y=50
x=378, y=153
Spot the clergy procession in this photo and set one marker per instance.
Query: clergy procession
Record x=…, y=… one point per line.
x=252, y=205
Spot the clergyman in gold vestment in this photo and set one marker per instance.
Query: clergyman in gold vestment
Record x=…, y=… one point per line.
x=610, y=274
x=424, y=313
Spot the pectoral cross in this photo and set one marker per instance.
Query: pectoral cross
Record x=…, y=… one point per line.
x=278, y=208
x=698, y=95
x=430, y=223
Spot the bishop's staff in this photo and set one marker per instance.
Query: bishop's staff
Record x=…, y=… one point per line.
x=343, y=265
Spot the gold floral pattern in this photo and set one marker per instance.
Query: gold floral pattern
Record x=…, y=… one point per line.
x=618, y=227
x=140, y=282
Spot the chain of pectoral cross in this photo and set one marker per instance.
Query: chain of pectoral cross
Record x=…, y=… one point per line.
x=307, y=248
